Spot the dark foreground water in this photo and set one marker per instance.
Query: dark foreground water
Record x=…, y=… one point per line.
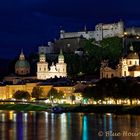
x=67, y=126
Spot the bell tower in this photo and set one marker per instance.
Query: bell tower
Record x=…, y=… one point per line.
x=42, y=67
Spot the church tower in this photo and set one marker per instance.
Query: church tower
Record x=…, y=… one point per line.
x=61, y=57
x=61, y=66
x=55, y=70
x=42, y=67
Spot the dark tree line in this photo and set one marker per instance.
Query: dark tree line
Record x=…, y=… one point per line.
x=114, y=88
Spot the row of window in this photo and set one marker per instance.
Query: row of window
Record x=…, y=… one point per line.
x=130, y=62
x=42, y=69
x=46, y=69
x=22, y=71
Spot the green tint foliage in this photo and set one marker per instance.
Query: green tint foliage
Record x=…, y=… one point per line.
x=94, y=53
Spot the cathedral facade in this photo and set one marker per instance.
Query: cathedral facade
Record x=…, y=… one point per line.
x=128, y=66
x=55, y=70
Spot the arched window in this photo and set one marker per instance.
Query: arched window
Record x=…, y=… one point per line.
x=135, y=62
x=130, y=62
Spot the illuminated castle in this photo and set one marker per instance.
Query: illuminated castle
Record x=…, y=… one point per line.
x=56, y=70
x=101, y=31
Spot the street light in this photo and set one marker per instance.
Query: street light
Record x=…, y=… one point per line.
x=125, y=33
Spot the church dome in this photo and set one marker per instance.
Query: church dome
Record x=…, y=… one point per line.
x=22, y=66
x=133, y=55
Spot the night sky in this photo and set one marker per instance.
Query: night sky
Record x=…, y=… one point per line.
x=29, y=23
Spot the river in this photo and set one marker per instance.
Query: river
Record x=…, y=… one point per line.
x=68, y=126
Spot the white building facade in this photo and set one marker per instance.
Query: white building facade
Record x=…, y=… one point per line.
x=101, y=31
x=55, y=70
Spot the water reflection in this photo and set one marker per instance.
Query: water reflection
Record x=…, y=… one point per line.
x=85, y=129
x=66, y=126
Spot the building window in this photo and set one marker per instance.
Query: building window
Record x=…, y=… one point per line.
x=135, y=62
x=112, y=75
x=130, y=62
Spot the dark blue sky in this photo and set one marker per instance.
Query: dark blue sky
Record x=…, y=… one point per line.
x=29, y=23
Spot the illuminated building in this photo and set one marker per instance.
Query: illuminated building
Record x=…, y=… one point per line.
x=101, y=31
x=128, y=66
x=22, y=66
x=55, y=70
x=7, y=91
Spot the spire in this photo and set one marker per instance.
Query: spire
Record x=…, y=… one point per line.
x=85, y=28
x=131, y=47
x=22, y=57
x=61, y=52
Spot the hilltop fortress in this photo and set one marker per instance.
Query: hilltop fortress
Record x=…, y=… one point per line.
x=71, y=41
x=101, y=31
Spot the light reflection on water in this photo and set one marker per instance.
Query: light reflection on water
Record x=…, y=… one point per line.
x=66, y=126
x=85, y=129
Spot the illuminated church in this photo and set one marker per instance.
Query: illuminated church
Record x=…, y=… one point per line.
x=55, y=70
x=128, y=66
x=22, y=66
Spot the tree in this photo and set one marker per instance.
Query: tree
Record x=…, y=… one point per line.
x=37, y=92
x=108, y=48
x=54, y=94
x=112, y=47
x=132, y=90
x=72, y=97
x=21, y=94
x=90, y=93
